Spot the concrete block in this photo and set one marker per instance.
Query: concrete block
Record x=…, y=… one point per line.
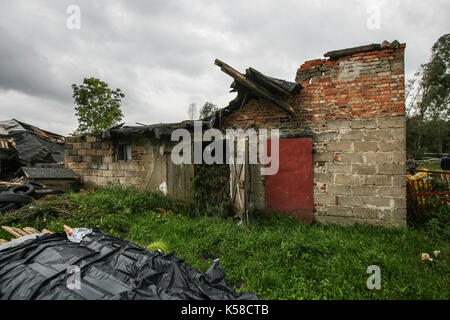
x=378, y=180
x=355, y=135
x=339, y=168
x=393, y=122
x=344, y=146
x=348, y=179
x=379, y=135
x=365, y=146
x=353, y=157
x=363, y=169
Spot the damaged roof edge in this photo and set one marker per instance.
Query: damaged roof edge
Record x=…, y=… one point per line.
x=371, y=47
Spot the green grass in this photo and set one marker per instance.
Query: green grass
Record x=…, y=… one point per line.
x=275, y=257
x=433, y=165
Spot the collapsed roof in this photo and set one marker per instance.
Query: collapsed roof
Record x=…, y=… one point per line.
x=157, y=131
x=255, y=84
x=33, y=144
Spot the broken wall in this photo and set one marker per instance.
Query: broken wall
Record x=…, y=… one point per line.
x=149, y=168
x=354, y=109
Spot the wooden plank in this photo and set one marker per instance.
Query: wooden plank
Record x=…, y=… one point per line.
x=3, y=241
x=10, y=183
x=20, y=231
x=30, y=230
x=10, y=230
x=67, y=228
x=46, y=231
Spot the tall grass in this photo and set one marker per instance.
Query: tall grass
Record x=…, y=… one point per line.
x=275, y=256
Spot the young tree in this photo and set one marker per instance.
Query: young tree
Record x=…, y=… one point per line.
x=97, y=106
x=207, y=110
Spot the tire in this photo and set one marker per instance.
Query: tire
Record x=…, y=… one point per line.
x=15, y=198
x=8, y=207
x=25, y=189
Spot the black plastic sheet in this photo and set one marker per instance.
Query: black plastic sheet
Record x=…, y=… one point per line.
x=109, y=268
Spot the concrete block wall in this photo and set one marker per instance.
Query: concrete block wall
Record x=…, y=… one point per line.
x=95, y=161
x=353, y=107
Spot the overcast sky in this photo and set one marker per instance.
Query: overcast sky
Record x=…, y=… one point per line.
x=161, y=53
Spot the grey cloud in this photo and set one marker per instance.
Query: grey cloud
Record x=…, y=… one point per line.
x=161, y=53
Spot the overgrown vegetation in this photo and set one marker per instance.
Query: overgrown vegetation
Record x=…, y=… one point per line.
x=274, y=256
x=211, y=191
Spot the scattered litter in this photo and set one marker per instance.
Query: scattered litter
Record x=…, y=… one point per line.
x=425, y=256
x=436, y=253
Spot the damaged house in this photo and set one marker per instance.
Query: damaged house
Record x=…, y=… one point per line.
x=33, y=144
x=342, y=142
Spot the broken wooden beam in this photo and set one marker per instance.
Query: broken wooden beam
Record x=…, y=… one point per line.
x=261, y=91
x=2, y=241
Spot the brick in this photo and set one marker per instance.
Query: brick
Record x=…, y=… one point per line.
x=338, y=124
x=393, y=192
x=377, y=158
x=339, y=189
x=323, y=178
x=340, y=146
x=82, y=152
x=365, y=146
x=365, y=213
x=352, y=136
x=351, y=201
x=323, y=156
x=340, y=211
x=399, y=156
x=339, y=168
x=391, y=168
x=363, y=124
x=351, y=157
x=364, y=191
x=324, y=199
x=379, y=180
x=348, y=179
x=380, y=202
x=379, y=135
x=392, y=146
x=362, y=169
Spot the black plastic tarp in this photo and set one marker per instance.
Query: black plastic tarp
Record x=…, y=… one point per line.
x=108, y=269
x=31, y=147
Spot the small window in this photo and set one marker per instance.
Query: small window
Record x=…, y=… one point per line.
x=124, y=152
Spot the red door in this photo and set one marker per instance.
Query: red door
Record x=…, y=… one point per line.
x=291, y=189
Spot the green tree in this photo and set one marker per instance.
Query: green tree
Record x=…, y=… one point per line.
x=97, y=106
x=207, y=110
x=428, y=102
